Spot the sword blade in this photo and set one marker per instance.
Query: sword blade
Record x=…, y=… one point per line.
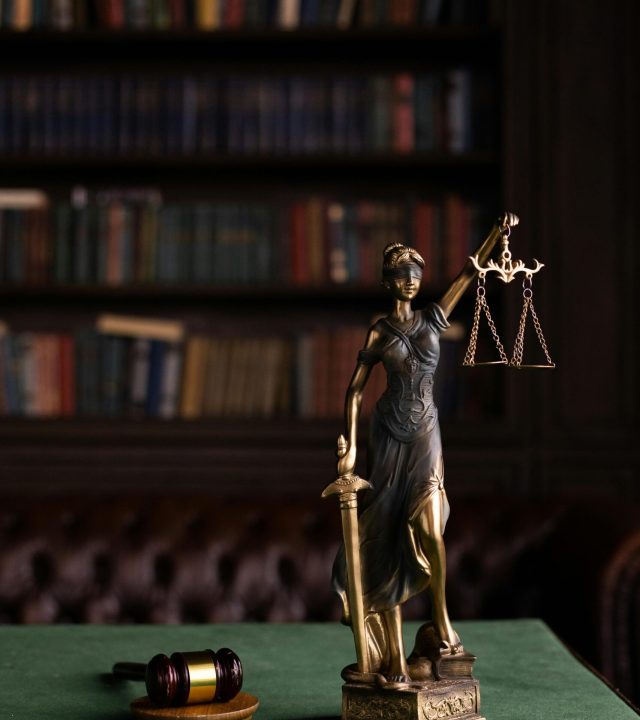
x=349, y=513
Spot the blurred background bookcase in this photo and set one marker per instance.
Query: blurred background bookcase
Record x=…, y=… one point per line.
x=237, y=174
x=239, y=178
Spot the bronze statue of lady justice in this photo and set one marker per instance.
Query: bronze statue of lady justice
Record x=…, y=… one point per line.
x=393, y=542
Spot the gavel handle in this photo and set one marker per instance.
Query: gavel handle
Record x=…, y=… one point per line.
x=130, y=670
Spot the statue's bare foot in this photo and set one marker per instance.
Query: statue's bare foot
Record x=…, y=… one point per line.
x=399, y=679
x=451, y=646
x=395, y=682
x=397, y=670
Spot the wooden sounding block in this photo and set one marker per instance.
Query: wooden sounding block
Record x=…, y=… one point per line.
x=241, y=707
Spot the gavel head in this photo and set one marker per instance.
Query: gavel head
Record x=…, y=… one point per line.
x=188, y=678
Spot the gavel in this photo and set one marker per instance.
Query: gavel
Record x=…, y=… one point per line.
x=187, y=678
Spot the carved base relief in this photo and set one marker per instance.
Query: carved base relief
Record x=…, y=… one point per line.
x=438, y=700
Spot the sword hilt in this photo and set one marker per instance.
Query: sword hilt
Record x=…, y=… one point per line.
x=346, y=484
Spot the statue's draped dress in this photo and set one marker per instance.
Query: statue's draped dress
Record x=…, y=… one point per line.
x=404, y=464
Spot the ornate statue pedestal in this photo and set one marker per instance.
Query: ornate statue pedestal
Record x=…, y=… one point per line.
x=432, y=700
x=442, y=686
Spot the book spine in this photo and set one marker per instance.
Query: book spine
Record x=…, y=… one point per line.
x=403, y=113
x=66, y=348
x=157, y=354
x=139, y=376
x=170, y=381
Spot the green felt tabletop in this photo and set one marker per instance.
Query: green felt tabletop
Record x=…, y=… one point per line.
x=62, y=672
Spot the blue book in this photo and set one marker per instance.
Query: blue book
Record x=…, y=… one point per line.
x=166, y=255
x=111, y=380
x=263, y=247
x=84, y=244
x=426, y=112
x=157, y=353
x=62, y=257
x=139, y=355
x=62, y=120
x=10, y=364
x=28, y=373
x=17, y=115
x=357, y=109
x=202, y=256
x=185, y=243
x=88, y=369
x=48, y=124
x=309, y=13
x=280, y=141
x=210, y=116
x=189, y=114
x=221, y=269
x=339, y=114
x=297, y=91
x=235, y=117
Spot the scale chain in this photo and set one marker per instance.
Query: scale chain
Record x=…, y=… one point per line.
x=518, y=350
x=481, y=304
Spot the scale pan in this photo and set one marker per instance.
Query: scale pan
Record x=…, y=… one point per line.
x=524, y=366
x=487, y=362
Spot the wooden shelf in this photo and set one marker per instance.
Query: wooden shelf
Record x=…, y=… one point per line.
x=229, y=432
x=227, y=174
x=230, y=456
x=269, y=49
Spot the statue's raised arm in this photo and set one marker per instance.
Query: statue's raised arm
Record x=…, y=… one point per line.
x=458, y=287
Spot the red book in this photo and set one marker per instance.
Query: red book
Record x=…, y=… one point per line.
x=233, y=14
x=403, y=121
x=300, y=274
x=176, y=14
x=316, y=240
x=402, y=12
x=111, y=13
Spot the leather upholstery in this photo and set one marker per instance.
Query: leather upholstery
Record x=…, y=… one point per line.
x=208, y=559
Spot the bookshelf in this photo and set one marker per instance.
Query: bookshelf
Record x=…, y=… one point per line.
x=240, y=179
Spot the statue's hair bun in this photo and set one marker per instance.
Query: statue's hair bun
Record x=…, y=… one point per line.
x=392, y=246
x=396, y=253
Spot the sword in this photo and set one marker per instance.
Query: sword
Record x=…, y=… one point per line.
x=346, y=488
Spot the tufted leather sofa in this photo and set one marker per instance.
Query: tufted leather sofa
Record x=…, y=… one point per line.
x=209, y=559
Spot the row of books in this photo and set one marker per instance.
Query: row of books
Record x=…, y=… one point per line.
x=177, y=115
x=140, y=367
x=236, y=14
x=126, y=237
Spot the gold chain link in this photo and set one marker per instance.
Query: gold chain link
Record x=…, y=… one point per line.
x=482, y=305
x=518, y=349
